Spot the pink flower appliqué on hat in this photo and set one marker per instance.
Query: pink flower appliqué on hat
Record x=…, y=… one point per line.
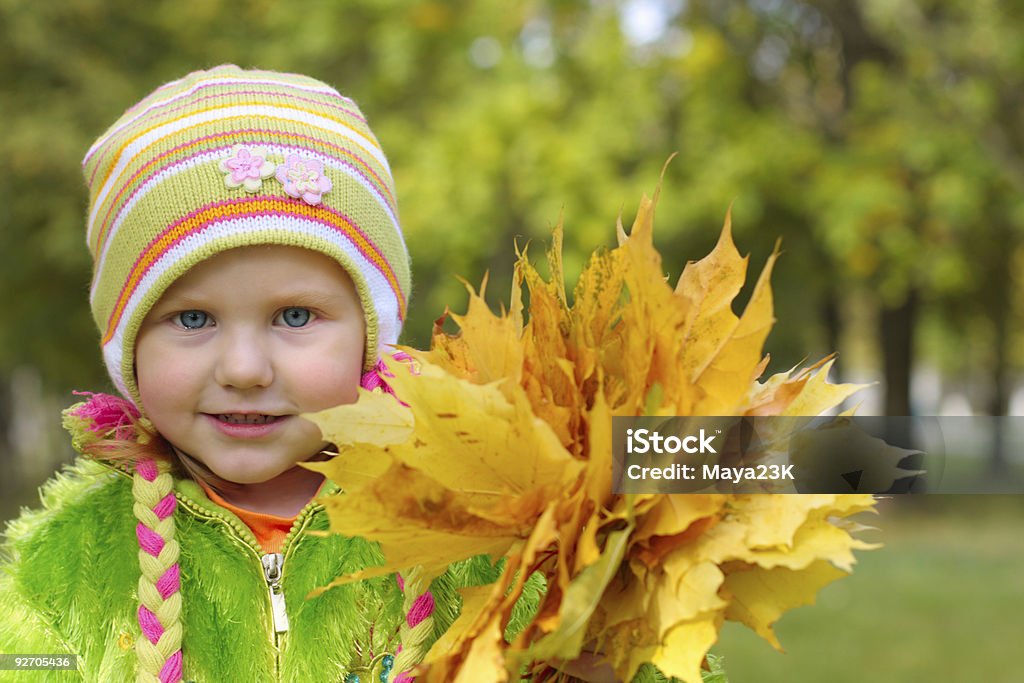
x=303, y=179
x=247, y=167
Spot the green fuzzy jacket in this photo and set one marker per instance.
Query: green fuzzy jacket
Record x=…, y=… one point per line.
x=70, y=569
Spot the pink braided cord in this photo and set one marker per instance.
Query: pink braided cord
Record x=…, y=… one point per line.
x=165, y=508
x=151, y=626
x=422, y=607
x=170, y=672
x=148, y=469
x=168, y=583
x=149, y=540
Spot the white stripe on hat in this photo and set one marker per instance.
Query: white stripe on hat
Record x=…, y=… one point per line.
x=219, y=114
x=218, y=177
x=201, y=85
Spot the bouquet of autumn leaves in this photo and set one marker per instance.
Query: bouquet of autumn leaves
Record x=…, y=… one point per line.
x=502, y=444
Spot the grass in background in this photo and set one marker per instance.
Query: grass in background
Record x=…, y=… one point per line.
x=942, y=601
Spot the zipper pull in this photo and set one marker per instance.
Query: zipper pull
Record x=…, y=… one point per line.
x=272, y=564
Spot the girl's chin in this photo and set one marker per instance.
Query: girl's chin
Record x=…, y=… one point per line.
x=246, y=474
x=222, y=466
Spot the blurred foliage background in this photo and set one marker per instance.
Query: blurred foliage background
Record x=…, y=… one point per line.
x=882, y=140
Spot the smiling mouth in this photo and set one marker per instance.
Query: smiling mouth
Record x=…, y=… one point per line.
x=248, y=418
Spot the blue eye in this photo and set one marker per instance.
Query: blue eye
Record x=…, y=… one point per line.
x=192, y=320
x=296, y=317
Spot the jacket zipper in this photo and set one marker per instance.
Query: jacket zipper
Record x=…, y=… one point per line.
x=242, y=536
x=273, y=568
x=272, y=565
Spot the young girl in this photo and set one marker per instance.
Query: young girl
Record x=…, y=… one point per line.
x=248, y=267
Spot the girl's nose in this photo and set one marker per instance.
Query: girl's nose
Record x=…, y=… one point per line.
x=244, y=361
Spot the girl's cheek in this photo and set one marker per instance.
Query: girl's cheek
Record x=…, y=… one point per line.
x=169, y=373
x=328, y=384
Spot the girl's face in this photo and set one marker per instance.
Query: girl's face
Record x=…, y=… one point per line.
x=242, y=344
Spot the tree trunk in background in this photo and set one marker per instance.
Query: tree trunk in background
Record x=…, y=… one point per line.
x=1000, y=400
x=897, y=343
x=896, y=331
x=833, y=326
x=499, y=264
x=1000, y=308
x=896, y=325
x=1000, y=404
x=9, y=480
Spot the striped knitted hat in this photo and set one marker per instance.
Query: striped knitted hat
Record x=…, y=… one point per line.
x=227, y=158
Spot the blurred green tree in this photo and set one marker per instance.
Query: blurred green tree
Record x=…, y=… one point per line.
x=882, y=140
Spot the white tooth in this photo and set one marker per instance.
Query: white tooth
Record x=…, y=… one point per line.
x=251, y=418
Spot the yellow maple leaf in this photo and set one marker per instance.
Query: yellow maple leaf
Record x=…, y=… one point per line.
x=479, y=652
x=685, y=645
x=488, y=348
x=759, y=596
x=375, y=418
x=417, y=500
x=505, y=448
